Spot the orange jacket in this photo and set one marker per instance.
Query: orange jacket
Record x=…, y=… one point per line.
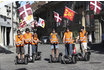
x=54, y=38
x=68, y=37
x=27, y=37
x=82, y=35
x=35, y=37
x=19, y=40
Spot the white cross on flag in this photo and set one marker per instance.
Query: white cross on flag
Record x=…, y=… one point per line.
x=57, y=17
x=96, y=6
x=26, y=13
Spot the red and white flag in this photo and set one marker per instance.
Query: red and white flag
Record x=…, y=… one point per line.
x=26, y=13
x=95, y=6
x=22, y=24
x=57, y=17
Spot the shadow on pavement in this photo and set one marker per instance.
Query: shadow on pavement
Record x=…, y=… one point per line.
x=97, y=48
x=21, y=69
x=3, y=50
x=46, y=59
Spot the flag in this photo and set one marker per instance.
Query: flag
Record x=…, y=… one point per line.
x=95, y=6
x=57, y=17
x=22, y=24
x=41, y=23
x=26, y=13
x=69, y=14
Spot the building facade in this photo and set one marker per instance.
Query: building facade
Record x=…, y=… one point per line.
x=8, y=24
x=82, y=18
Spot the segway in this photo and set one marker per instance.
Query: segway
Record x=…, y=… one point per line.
x=85, y=57
x=37, y=54
x=28, y=55
x=54, y=59
x=21, y=61
x=70, y=59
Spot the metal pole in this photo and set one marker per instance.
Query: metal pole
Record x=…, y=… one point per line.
x=12, y=23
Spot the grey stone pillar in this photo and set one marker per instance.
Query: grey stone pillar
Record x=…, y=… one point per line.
x=1, y=43
x=5, y=36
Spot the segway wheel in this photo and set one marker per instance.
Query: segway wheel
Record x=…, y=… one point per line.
x=26, y=60
x=40, y=57
x=60, y=58
x=74, y=60
x=87, y=57
x=63, y=61
x=50, y=60
x=33, y=58
x=16, y=61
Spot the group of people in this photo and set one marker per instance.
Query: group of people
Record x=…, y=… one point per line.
x=68, y=41
x=23, y=41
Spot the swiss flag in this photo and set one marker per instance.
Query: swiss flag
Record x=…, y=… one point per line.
x=57, y=17
x=69, y=14
x=95, y=6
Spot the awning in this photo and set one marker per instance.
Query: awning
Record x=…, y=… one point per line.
x=4, y=24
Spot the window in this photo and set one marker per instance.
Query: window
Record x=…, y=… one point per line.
x=5, y=19
x=8, y=23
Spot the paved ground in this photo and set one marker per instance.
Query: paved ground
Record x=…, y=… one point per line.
x=96, y=62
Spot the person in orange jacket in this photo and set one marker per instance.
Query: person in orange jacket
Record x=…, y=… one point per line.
x=35, y=42
x=19, y=42
x=28, y=41
x=68, y=41
x=83, y=40
x=54, y=39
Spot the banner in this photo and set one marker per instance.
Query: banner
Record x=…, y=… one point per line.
x=69, y=14
x=22, y=24
x=95, y=6
x=26, y=13
x=41, y=23
x=57, y=17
